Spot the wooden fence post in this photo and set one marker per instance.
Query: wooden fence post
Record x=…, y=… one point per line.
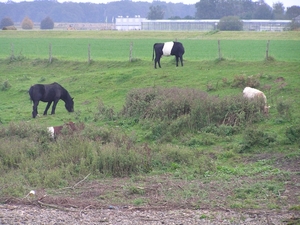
x=50, y=53
x=12, y=52
x=267, y=50
x=219, y=50
x=130, y=52
x=89, y=54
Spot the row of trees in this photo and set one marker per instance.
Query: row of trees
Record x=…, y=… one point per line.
x=99, y=13
x=244, y=9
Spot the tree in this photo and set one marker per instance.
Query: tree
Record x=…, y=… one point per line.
x=155, y=13
x=230, y=23
x=292, y=12
x=206, y=9
x=263, y=11
x=5, y=22
x=47, y=23
x=278, y=11
x=27, y=24
x=294, y=25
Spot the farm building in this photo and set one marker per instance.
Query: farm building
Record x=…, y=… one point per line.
x=192, y=25
x=129, y=23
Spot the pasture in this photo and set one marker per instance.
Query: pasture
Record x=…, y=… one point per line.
x=241, y=165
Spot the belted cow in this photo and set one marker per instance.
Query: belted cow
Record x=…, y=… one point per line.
x=167, y=49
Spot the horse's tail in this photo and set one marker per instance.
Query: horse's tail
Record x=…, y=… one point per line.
x=30, y=92
x=153, y=52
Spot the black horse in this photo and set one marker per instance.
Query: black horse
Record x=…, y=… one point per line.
x=50, y=93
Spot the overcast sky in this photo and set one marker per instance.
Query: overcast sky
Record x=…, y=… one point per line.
x=286, y=3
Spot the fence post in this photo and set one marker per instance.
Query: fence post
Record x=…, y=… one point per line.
x=12, y=52
x=89, y=53
x=219, y=49
x=50, y=53
x=130, y=52
x=267, y=50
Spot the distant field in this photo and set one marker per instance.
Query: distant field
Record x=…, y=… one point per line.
x=116, y=45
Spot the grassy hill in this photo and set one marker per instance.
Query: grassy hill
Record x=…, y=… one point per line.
x=243, y=162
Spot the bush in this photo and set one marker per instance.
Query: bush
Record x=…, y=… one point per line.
x=293, y=133
x=230, y=23
x=5, y=22
x=173, y=112
x=27, y=24
x=242, y=81
x=254, y=137
x=294, y=25
x=47, y=23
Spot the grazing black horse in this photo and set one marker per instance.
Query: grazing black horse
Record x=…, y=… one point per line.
x=167, y=49
x=50, y=93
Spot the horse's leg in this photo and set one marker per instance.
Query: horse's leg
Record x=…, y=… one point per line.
x=54, y=106
x=34, y=109
x=47, y=107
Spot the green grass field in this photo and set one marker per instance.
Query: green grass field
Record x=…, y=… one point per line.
x=210, y=158
x=74, y=46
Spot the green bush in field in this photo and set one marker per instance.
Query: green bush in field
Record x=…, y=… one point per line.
x=6, y=21
x=293, y=133
x=253, y=137
x=176, y=111
x=242, y=81
x=47, y=23
x=230, y=23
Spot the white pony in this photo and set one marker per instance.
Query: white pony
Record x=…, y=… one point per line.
x=252, y=93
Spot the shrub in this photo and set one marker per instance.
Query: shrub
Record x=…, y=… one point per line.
x=293, y=133
x=47, y=23
x=294, y=25
x=283, y=108
x=255, y=137
x=230, y=23
x=5, y=22
x=27, y=24
x=242, y=81
x=173, y=112
x=5, y=86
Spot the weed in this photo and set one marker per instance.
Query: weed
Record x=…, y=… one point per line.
x=5, y=86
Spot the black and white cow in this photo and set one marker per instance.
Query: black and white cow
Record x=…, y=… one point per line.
x=167, y=49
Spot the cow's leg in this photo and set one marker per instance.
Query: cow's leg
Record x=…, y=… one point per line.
x=157, y=60
x=34, y=109
x=181, y=60
x=54, y=106
x=177, y=58
x=47, y=107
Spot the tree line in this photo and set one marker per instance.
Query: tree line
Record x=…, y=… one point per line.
x=71, y=12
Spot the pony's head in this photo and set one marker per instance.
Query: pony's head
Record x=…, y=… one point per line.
x=70, y=105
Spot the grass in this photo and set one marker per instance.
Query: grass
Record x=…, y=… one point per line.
x=208, y=168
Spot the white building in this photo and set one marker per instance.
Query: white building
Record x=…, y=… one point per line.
x=129, y=23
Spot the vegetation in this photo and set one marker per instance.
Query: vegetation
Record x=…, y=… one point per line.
x=230, y=23
x=182, y=134
x=6, y=21
x=100, y=13
x=27, y=24
x=47, y=23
